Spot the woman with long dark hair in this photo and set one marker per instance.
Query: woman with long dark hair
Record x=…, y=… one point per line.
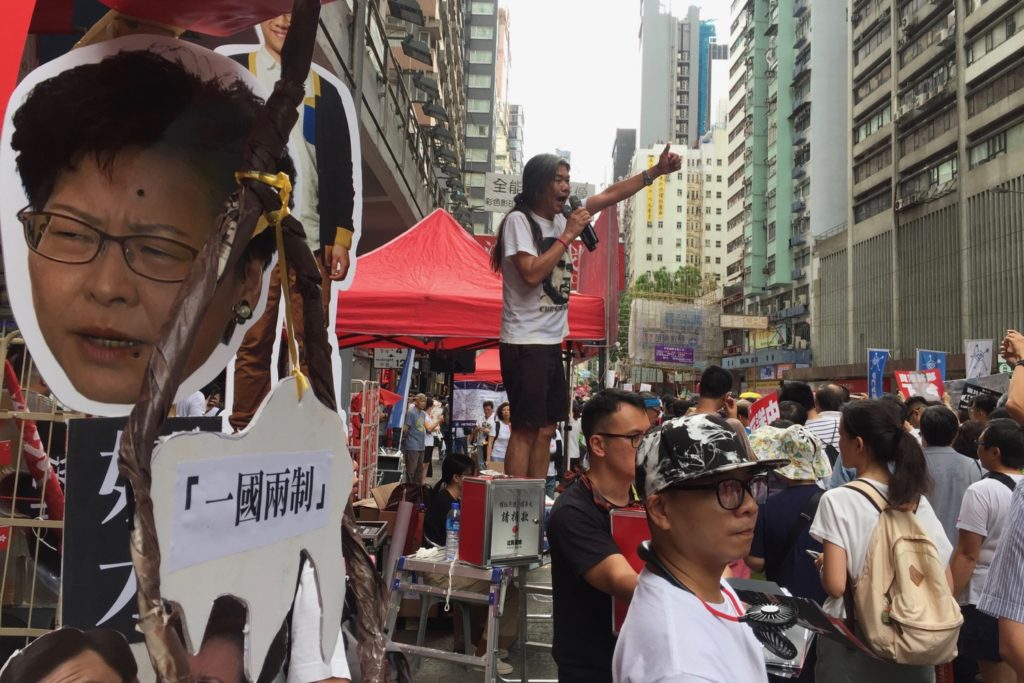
x=872, y=441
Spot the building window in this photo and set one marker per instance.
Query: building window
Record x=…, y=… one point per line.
x=481, y=8
x=477, y=154
x=718, y=244
x=997, y=89
x=1002, y=31
x=474, y=179
x=478, y=130
x=649, y=257
x=707, y=227
x=679, y=225
x=874, y=122
x=679, y=258
x=718, y=212
x=997, y=144
x=707, y=259
x=649, y=240
x=659, y=257
x=718, y=260
x=483, y=32
x=871, y=206
x=478, y=80
x=660, y=241
x=478, y=106
x=481, y=56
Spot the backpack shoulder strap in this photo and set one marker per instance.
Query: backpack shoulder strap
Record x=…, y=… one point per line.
x=803, y=522
x=1004, y=479
x=870, y=492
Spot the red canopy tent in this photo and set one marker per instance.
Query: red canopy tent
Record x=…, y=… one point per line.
x=488, y=368
x=432, y=289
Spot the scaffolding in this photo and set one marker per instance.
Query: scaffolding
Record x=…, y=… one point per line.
x=672, y=338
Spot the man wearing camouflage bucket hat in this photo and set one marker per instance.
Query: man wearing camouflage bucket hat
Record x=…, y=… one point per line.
x=683, y=622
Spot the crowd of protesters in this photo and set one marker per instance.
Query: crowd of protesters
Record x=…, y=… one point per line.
x=805, y=526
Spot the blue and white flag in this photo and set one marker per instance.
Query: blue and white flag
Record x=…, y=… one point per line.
x=978, y=357
x=932, y=360
x=877, y=360
x=398, y=412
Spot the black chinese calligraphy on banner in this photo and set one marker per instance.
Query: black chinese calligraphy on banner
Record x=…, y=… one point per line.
x=99, y=582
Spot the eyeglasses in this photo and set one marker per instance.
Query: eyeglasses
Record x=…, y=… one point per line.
x=66, y=239
x=634, y=439
x=731, y=492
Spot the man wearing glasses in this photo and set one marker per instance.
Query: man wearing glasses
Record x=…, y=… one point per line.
x=587, y=567
x=701, y=493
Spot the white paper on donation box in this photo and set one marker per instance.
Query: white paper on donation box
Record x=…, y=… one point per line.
x=515, y=522
x=234, y=513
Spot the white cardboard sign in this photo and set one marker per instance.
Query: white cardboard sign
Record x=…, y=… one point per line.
x=261, y=574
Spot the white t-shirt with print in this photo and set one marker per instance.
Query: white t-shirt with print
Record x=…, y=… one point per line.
x=534, y=315
x=847, y=519
x=983, y=511
x=669, y=636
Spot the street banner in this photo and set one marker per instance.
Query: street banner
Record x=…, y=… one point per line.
x=398, y=411
x=977, y=357
x=932, y=360
x=925, y=383
x=764, y=411
x=877, y=360
x=973, y=390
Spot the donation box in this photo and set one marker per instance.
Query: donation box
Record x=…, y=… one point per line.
x=629, y=529
x=502, y=520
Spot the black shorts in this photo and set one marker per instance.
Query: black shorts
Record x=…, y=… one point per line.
x=979, y=636
x=534, y=378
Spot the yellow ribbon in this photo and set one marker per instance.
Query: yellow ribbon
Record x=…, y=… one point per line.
x=274, y=218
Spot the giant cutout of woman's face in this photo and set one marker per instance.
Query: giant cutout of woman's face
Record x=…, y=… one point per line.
x=121, y=191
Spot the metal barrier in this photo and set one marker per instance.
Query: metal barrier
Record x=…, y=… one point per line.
x=32, y=458
x=362, y=442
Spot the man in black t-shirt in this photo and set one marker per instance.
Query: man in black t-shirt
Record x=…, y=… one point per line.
x=587, y=567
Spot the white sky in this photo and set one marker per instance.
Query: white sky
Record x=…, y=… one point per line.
x=575, y=68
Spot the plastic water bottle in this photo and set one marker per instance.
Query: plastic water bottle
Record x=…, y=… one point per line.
x=451, y=525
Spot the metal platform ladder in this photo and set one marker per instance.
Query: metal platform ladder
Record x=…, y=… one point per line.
x=408, y=580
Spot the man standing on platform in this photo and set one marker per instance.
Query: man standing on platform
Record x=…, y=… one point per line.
x=587, y=568
x=531, y=252
x=321, y=146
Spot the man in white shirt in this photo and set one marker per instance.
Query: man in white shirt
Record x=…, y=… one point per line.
x=828, y=399
x=983, y=514
x=484, y=432
x=702, y=494
x=532, y=254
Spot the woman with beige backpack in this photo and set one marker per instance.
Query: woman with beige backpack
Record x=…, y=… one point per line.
x=885, y=558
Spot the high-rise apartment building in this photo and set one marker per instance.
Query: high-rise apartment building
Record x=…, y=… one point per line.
x=934, y=251
x=622, y=152
x=487, y=67
x=516, y=122
x=714, y=152
x=663, y=226
x=787, y=94
x=675, y=91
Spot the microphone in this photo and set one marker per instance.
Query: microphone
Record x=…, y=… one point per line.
x=589, y=235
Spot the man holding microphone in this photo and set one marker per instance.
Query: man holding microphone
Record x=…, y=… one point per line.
x=531, y=253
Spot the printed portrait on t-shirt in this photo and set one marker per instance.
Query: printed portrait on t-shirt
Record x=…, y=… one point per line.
x=557, y=285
